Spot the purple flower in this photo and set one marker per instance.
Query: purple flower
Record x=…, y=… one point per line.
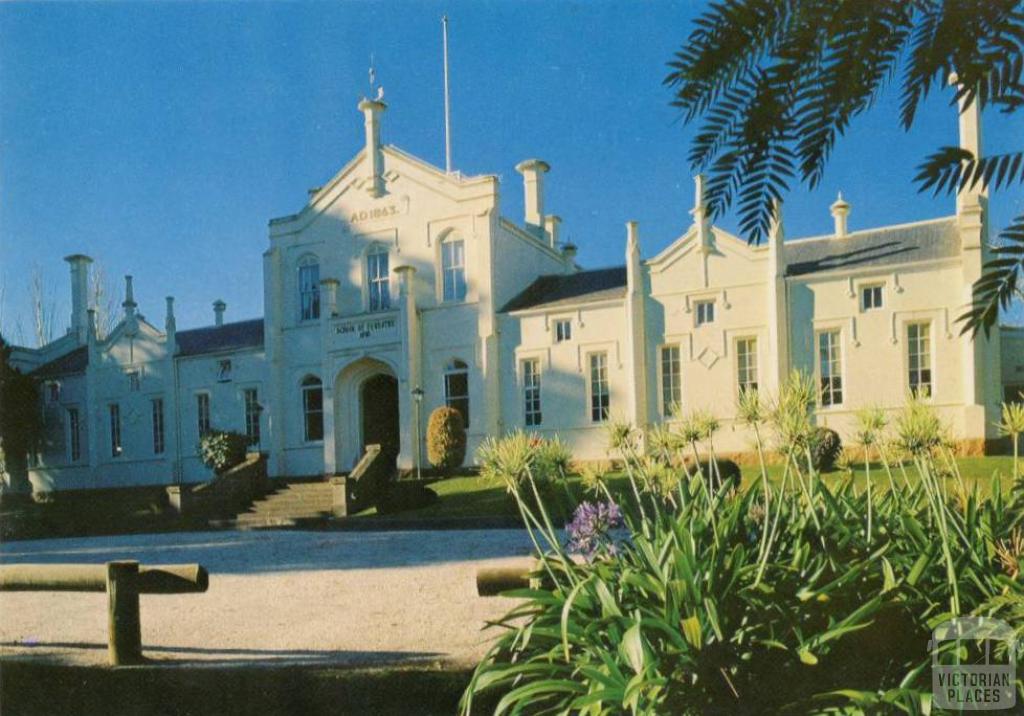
x=589, y=528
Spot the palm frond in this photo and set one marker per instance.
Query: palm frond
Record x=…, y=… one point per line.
x=998, y=285
x=952, y=169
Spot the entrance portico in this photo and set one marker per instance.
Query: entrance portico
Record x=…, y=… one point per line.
x=365, y=408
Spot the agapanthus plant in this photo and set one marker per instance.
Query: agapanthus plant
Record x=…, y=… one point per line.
x=590, y=529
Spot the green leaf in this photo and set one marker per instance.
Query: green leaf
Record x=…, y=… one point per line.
x=807, y=657
x=632, y=648
x=692, y=632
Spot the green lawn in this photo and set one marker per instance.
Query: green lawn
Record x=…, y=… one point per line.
x=471, y=496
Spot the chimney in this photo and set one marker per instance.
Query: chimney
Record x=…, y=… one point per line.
x=533, y=171
x=218, y=312
x=969, y=120
x=79, y=294
x=128, y=304
x=372, y=111
x=700, y=215
x=840, y=210
x=552, y=224
x=569, y=254
x=170, y=325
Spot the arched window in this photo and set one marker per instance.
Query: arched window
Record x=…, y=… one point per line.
x=309, y=289
x=312, y=409
x=456, y=388
x=378, y=279
x=453, y=270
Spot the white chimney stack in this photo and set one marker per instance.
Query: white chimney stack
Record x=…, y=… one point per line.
x=533, y=171
x=372, y=110
x=552, y=224
x=840, y=210
x=129, y=304
x=218, y=312
x=79, y=294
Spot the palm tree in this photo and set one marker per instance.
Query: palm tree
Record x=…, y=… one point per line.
x=777, y=82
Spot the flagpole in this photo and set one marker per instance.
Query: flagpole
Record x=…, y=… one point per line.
x=447, y=103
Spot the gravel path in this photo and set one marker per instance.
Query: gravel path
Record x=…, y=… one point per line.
x=276, y=597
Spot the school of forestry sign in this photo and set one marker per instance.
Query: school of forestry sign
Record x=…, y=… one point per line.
x=367, y=330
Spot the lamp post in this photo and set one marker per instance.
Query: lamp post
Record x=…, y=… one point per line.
x=417, y=396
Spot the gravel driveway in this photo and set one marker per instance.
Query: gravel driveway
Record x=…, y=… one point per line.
x=276, y=596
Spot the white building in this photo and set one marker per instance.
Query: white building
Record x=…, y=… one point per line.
x=398, y=279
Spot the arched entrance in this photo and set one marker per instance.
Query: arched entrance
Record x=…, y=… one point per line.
x=378, y=407
x=366, y=410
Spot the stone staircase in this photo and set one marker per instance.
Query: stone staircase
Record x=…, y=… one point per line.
x=289, y=505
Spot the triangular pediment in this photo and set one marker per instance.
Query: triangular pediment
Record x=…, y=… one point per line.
x=723, y=243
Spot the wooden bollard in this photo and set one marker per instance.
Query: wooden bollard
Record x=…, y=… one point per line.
x=124, y=645
x=123, y=582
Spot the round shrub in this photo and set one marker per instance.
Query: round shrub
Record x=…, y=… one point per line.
x=446, y=438
x=727, y=471
x=222, y=450
x=825, y=449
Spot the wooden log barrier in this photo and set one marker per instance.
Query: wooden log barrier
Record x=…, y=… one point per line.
x=123, y=581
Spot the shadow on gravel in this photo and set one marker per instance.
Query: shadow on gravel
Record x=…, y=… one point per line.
x=28, y=689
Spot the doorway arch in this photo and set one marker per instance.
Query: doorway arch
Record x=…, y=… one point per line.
x=366, y=385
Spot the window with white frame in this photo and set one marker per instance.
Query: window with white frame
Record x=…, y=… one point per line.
x=456, y=388
x=871, y=297
x=600, y=395
x=53, y=391
x=134, y=381
x=453, y=270
x=157, y=405
x=378, y=279
x=563, y=330
x=203, y=413
x=312, y=409
x=671, y=380
x=830, y=368
x=531, y=392
x=250, y=399
x=74, y=435
x=116, y=448
x=746, y=364
x=705, y=311
x=919, y=359
x=309, y=289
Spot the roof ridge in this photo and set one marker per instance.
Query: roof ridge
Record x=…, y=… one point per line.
x=875, y=230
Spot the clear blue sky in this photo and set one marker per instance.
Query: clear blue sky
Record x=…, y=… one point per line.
x=160, y=138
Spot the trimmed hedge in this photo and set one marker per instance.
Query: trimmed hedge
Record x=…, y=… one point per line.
x=446, y=438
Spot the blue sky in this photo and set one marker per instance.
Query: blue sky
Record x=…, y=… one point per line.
x=160, y=138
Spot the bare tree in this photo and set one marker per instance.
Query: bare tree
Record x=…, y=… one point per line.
x=103, y=302
x=45, y=317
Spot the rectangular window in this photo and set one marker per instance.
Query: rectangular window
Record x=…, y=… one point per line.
x=456, y=389
x=453, y=267
x=158, y=426
x=74, y=435
x=919, y=359
x=379, y=281
x=313, y=410
x=203, y=413
x=134, y=381
x=600, y=399
x=830, y=369
x=871, y=298
x=53, y=391
x=563, y=331
x=746, y=363
x=705, y=312
x=309, y=292
x=671, y=380
x=252, y=415
x=531, y=391
x=115, y=430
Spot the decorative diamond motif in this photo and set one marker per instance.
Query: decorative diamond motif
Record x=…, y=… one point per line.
x=708, y=358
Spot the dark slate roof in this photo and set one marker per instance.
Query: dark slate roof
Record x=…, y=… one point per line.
x=216, y=339
x=71, y=362
x=922, y=241
x=561, y=289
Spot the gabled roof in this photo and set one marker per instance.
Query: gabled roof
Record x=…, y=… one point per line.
x=564, y=289
x=217, y=339
x=74, y=361
x=920, y=241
